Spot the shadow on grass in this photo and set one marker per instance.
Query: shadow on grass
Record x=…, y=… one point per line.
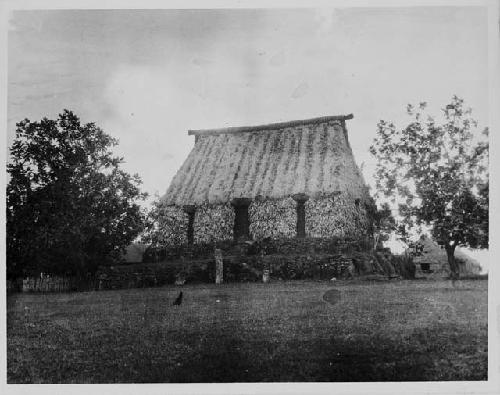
x=441, y=352
x=437, y=353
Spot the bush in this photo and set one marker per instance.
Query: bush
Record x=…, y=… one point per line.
x=363, y=263
x=404, y=266
x=385, y=262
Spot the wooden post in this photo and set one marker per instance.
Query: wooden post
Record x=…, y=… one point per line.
x=301, y=199
x=190, y=211
x=241, y=229
x=266, y=272
x=265, y=276
x=219, y=267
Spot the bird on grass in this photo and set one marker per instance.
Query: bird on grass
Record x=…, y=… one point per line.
x=178, y=301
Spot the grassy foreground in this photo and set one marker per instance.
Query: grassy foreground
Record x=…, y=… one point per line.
x=388, y=331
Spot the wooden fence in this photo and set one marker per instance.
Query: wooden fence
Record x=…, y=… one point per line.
x=57, y=284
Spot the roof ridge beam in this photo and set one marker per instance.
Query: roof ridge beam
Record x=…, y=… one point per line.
x=270, y=126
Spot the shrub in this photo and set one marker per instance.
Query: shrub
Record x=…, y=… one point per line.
x=404, y=266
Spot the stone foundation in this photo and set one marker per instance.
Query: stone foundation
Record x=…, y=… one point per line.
x=244, y=267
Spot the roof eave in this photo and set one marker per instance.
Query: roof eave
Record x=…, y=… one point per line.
x=270, y=126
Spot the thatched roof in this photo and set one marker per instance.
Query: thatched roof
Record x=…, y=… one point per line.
x=271, y=161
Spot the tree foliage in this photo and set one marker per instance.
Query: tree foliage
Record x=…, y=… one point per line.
x=70, y=206
x=383, y=223
x=437, y=173
x=165, y=226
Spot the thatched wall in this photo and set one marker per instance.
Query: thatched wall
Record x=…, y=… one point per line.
x=213, y=223
x=327, y=217
x=337, y=216
x=273, y=218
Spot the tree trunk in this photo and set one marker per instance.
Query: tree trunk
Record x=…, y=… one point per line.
x=376, y=237
x=450, y=252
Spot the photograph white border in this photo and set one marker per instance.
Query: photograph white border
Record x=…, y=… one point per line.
x=492, y=386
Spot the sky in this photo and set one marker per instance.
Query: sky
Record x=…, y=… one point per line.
x=147, y=76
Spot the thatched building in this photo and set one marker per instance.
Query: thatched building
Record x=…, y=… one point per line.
x=281, y=180
x=433, y=259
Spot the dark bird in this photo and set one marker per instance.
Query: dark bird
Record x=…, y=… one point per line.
x=178, y=301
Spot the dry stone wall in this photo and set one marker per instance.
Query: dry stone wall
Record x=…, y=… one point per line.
x=236, y=268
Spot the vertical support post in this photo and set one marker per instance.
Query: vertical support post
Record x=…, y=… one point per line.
x=190, y=211
x=219, y=267
x=301, y=199
x=241, y=229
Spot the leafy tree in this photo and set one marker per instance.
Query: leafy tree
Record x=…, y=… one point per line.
x=438, y=174
x=384, y=223
x=69, y=205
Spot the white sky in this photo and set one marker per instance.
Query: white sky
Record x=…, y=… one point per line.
x=147, y=76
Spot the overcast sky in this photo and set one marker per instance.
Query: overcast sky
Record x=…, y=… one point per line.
x=147, y=76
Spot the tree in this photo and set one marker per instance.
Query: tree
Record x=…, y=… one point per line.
x=438, y=175
x=384, y=223
x=69, y=205
x=164, y=226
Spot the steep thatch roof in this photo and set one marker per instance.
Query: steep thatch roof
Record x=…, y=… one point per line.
x=271, y=161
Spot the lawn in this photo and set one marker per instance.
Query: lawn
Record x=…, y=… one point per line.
x=283, y=331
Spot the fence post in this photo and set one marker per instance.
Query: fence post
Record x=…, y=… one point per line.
x=265, y=276
x=266, y=271
x=219, y=267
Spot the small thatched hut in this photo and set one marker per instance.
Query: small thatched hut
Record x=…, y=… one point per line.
x=433, y=259
x=281, y=180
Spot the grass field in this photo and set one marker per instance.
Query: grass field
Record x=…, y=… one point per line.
x=386, y=331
